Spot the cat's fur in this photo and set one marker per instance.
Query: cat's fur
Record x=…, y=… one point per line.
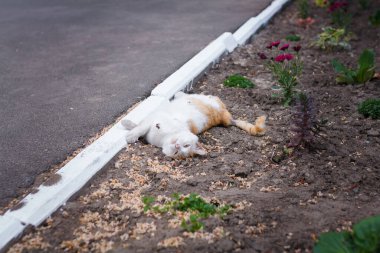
x=175, y=126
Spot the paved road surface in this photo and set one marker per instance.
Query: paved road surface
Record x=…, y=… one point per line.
x=69, y=67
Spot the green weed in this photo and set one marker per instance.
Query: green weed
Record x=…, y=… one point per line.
x=238, y=81
x=197, y=206
x=370, y=108
x=363, y=73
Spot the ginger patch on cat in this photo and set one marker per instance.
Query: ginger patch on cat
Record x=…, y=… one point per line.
x=193, y=127
x=215, y=116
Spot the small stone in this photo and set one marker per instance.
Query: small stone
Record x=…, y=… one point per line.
x=355, y=178
x=309, y=178
x=225, y=245
x=364, y=198
x=293, y=201
x=214, y=155
x=373, y=133
x=242, y=172
x=192, y=182
x=278, y=140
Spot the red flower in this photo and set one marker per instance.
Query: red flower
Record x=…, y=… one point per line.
x=289, y=57
x=269, y=46
x=297, y=48
x=284, y=47
x=262, y=56
x=275, y=43
x=280, y=58
x=337, y=5
x=283, y=57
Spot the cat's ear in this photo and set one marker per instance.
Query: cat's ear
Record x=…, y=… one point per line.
x=199, y=150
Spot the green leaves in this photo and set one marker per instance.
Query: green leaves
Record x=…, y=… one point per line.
x=292, y=37
x=375, y=19
x=366, y=66
x=365, y=238
x=148, y=201
x=366, y=235
x=334, y=242
x=332, y=38
x=370, y=108
x=197, y=206
x=345, y=75
x=238, y=81
x=364, y=72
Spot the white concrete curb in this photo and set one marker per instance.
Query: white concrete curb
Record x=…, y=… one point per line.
x=38, y=206
x=10, y=228
x=249, y=28
x=184, y=76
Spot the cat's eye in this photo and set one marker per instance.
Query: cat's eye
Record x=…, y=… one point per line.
x=186, y=146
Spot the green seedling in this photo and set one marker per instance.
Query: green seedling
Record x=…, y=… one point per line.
x=238, y=81
x=363, y=73
x=293, y=37
x=370, y=108
x=197, y=206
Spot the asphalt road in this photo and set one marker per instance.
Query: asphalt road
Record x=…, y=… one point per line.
x=68, y=68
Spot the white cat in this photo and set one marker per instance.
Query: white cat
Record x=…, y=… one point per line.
x=175, y=125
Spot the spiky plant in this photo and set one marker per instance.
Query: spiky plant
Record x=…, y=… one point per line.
x=304, y=121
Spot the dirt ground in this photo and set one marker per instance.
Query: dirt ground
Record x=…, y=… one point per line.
x=276, y=207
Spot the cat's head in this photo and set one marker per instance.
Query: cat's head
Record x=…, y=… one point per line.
x=183, y=144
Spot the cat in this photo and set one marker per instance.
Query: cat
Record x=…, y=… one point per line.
x=175, y=125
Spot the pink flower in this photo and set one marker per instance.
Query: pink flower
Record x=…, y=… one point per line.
x=269, y=46
x=275, y=43
x=284, y=47
x=262, y=56
x=280, y=58
x=297, y=48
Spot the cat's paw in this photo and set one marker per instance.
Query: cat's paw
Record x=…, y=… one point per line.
x=131, y=138
x=127, y=124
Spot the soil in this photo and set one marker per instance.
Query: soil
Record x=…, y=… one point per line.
x=276, y=206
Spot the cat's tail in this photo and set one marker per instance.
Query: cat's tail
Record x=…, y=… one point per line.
x=257, y=129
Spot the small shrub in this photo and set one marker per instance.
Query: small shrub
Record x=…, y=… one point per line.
x=304, y=121
x=375, y=19
x=370, y=108
x=365, y=238
x=332, y=38
x=238, y=81
x=293, y=37
x=303, y=9
x=197, y=206
x=286, y=68
x=364, y=72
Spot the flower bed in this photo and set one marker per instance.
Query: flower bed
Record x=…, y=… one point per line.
x=282, y=193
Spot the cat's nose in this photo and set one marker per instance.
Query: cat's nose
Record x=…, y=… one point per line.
x=176, y=146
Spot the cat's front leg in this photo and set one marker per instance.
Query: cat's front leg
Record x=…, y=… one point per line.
x=140, y=130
